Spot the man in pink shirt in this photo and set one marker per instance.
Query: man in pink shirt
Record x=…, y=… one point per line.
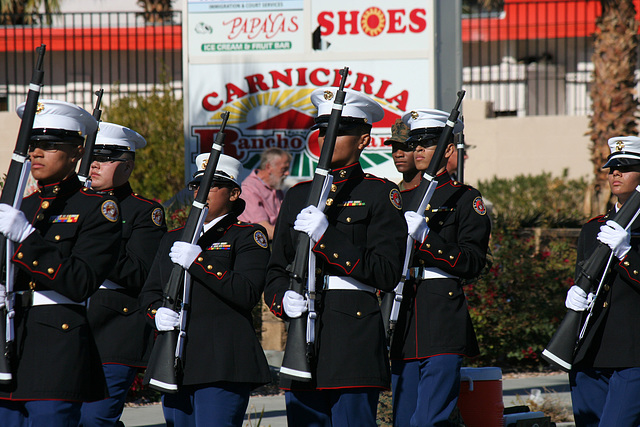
x=261, y=190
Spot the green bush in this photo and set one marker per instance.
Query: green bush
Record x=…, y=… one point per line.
x=159, y=171
x=536, y=201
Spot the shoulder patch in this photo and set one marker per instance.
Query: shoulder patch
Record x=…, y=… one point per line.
x=260, y=239
x=478, y=206
x=157, y=216
x=110, y=211
x=396, y=198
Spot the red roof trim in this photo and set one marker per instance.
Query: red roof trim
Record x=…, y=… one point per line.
x=166, y=37
x=539, y=19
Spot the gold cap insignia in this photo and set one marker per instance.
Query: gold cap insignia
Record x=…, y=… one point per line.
x=205, y=162
x=328, y=95
x=619, y=145
x=39, y=107
x=414, y=115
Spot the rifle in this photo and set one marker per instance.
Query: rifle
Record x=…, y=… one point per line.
x=165, y=363
x=84, y=171
x=390, y=306
x=12, y=193
x=461, y=152
x=563, y=345
x=296, y=362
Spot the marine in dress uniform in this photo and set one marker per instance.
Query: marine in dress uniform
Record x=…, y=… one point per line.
x=123, y=336
x=359, y=242
x=67, y=241
x=402, y=155
x=434, y=329
x=605, y=378
x=223, y=360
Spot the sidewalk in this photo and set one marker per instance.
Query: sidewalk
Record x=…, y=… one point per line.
x=273, y=406
x=514, y=392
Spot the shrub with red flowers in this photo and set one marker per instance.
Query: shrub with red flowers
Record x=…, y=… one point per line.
x=177, y=216
x=517, y=305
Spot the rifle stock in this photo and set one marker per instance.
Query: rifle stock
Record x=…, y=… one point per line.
x=563, y=344
x=390, y=305
x=12, y=192
x=296, y=362
x=163, y=369
x=85, y=164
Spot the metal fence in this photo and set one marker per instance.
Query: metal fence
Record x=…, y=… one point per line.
x=117, y=51
x=531, y=57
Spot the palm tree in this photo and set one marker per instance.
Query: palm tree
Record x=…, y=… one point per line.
x=25, y=12
x=613, y=89
x=156, y=11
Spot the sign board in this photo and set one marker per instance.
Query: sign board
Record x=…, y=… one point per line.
x=260, y=60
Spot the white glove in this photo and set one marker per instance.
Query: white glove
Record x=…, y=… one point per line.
x=13, y=223
x=617, y=238
x=166, y=319
x=3, y=296
x=312, y=221
x=418, y=228
x=294, y=304
x=183, y=254
x=577, y=299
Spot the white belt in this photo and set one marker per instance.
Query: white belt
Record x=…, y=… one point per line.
x=432, y=273
x=51, y=298
x=333, y=283
x=108, y=284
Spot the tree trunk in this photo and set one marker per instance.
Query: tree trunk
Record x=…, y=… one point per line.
x=614, y=106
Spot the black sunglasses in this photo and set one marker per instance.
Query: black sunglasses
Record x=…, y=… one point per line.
x=341, y=132
x=105, y=159
x=48, y=145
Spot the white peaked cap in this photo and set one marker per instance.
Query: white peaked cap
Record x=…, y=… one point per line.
x=625, y=151
x=429, y=118
x=54, y=114
x=356, y=105
x=120, y=137
x=227, y=168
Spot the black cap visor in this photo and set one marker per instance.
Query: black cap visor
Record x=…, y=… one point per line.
x=111, y=151
x=425, y=137
x=62, y=136
x=346, y=123
x=220, y=178
x=622, y=159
